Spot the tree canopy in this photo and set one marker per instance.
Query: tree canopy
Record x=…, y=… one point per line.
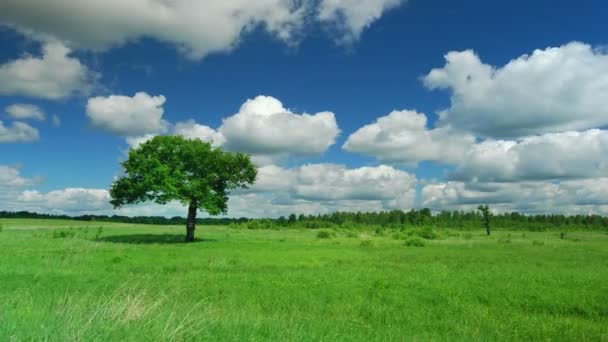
x=173, y=168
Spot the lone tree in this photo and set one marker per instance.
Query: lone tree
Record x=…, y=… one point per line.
x=485, y=212
x=173, y=168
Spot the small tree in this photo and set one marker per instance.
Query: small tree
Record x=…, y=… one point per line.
x=173, y=168
x=485, y=212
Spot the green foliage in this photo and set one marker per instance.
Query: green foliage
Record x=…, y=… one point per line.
x=367, y=243
x=414, y=241
x=485, y=212
x=1, y=228
x=173, y=168
x=324, y=234
x=424, y=232
x=538, y=243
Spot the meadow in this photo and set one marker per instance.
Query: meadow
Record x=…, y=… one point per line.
x=63, y=280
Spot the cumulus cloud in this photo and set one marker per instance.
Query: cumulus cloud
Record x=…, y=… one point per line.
x=263, y=126
x=128, y=116
x=21, y=111
x=351, y=17
x=313, y=188
x=66, y=200
x=551, y=90
x=544, y=157
x=53, y=76
x=192, y=130
x=197, y=28
x=10, y=177
x=586, y=196
x=403, y=137
x=18, y=132
x=381, y=186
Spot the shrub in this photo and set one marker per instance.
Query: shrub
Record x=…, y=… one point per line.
x=324, y=234
x=414, y=241
x=538, y=243
x=379, y=231
x=426, y=233
x=398, y=236
x=350, y=234
x=367, y=243
x=467, y=236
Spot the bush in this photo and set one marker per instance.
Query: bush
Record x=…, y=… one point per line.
x=379, y=231
x=467, y=236
x=398, y=236
x=350, y=234
x=367, y=243
x=426, y=233
x=414, y=241
x=537, y=243
x=324, y=234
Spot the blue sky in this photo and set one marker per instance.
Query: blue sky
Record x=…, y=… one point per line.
x=359, y=60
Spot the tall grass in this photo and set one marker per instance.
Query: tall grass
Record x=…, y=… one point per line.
x=140, y=283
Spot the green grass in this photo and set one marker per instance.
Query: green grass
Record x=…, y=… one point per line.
x=140, y=283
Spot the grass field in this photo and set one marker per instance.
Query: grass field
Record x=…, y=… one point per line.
x=135, y=282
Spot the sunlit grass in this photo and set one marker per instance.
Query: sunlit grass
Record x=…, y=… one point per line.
x=68, y=280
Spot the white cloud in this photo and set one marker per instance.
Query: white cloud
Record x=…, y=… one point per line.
x=65, y=200
x=10, y=177
x=552, y=90
x=55, y=75
x=128, y=116
x=18, y=132
x=314, y=188
x=336, y=185
x=263, y=126
x=191, y=130
x=403, y=137
x=197, y=28
x=549, y=156
x=21, y=111
x=351, y=17
x=572, y=197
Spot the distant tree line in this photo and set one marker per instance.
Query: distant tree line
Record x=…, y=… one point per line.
x=466, y=220
x=177, y=220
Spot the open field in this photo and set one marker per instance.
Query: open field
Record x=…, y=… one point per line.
x=139, y=282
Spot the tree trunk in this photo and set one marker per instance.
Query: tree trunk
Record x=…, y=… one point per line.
x=191, y=224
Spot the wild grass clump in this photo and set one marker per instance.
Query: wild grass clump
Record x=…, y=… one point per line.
x=350, y=234
x=64, y=233
x=380, y=231
x=398, y=236
x=537, y=243
x=426, y=233
x=324, y=234
x=414, y=241
x=366, y=243
x=467, y=236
